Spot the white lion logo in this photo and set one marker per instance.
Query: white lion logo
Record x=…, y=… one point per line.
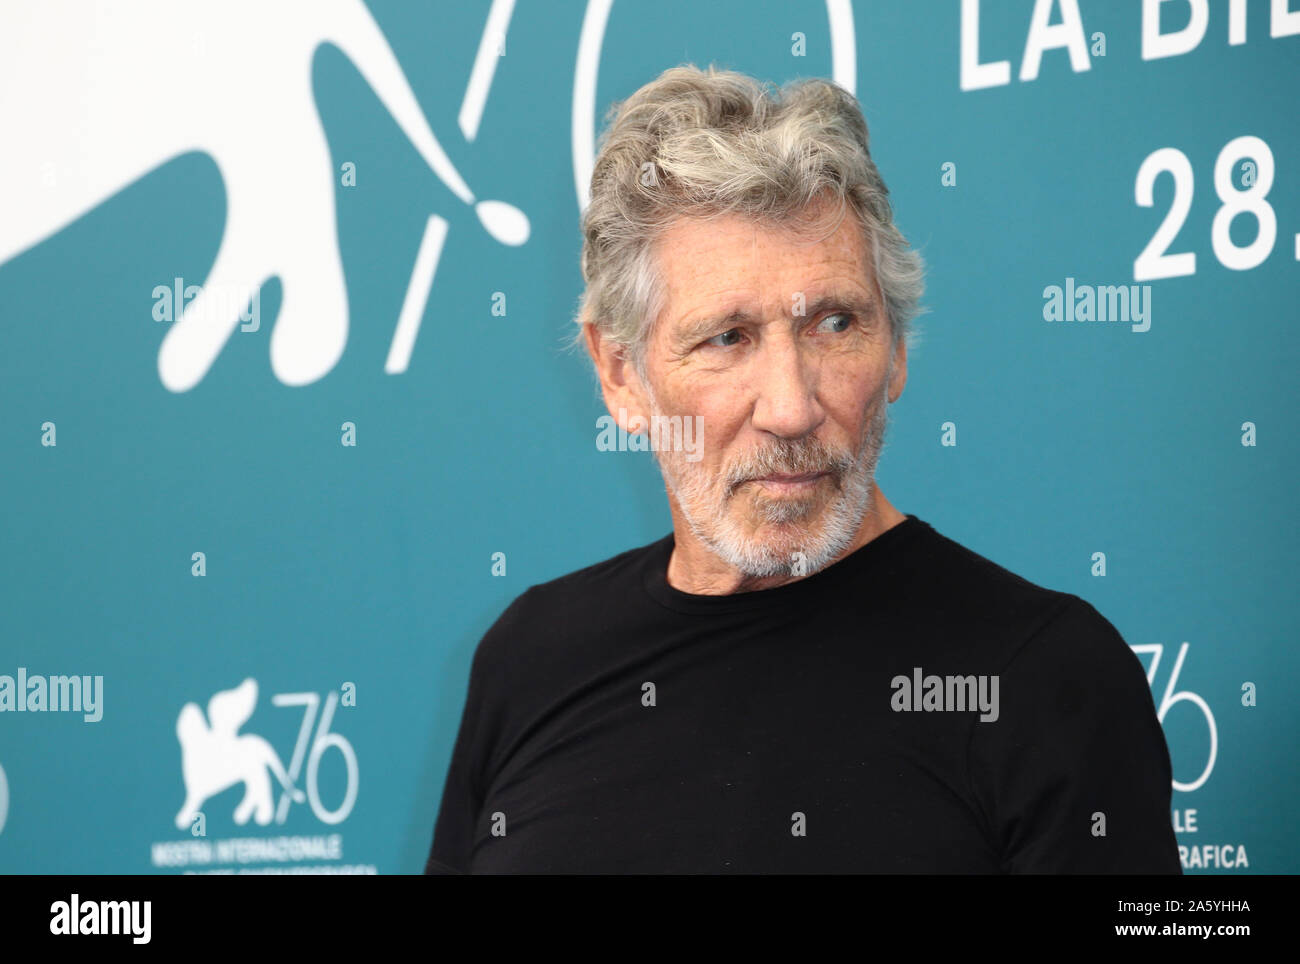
x=214, y=757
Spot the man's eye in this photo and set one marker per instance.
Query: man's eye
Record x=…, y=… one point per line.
x=726, y=339
x=836, y=323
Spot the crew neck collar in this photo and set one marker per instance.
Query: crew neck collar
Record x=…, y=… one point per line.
x=864, y=559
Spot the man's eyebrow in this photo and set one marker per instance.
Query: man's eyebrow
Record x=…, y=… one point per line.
x=700, y=327
x=696, y=329
x=864, y=305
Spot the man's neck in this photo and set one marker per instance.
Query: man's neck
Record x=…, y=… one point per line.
x=694, y=568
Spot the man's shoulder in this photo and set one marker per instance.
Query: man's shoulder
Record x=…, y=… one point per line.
x=964, y=577
x=575, y=605
x=1008, y=611
x=589, y=585
x=1041, y=628
x=622, y=569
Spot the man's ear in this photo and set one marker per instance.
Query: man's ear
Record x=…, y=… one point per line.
x=619, y=382
x=898, y=377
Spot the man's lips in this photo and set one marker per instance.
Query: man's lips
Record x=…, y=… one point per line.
x=805, y=477
x=791, y=484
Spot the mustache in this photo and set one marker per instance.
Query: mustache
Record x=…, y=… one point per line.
x=789, y=457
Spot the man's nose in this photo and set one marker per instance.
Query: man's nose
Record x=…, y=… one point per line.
x=785, y=383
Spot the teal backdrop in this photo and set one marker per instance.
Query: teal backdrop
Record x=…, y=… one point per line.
x=336, y=541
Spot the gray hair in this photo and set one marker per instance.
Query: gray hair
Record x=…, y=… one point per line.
x=705, y=143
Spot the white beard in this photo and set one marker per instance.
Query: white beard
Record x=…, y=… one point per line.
x=792, y=548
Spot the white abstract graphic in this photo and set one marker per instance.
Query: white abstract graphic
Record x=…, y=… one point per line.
x=126, y=87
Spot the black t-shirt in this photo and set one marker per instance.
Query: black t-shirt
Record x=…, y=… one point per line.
x=615, y=724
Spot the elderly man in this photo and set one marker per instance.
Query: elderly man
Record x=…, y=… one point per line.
x=800, y=677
